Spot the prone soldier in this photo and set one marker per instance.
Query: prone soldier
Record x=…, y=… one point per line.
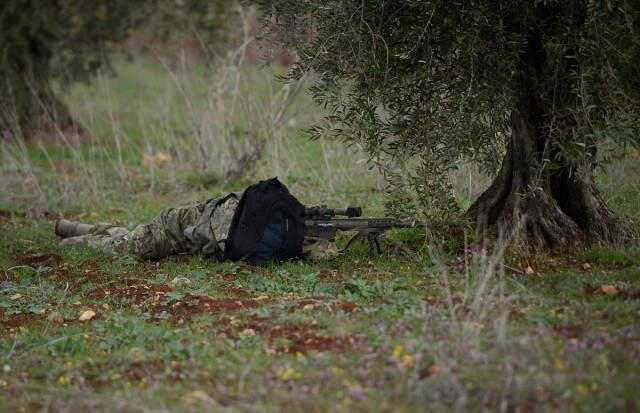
x=200, y=228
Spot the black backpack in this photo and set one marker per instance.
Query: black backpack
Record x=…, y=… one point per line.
x=268, y=225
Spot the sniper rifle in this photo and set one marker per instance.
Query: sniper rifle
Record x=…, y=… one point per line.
x=320, y=223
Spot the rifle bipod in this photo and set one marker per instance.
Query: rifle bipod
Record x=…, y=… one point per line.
x=374, y=238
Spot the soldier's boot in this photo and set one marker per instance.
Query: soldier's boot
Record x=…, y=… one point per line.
x=68, y=229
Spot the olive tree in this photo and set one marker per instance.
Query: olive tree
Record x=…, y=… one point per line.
x=42, y=42
x=426, y=84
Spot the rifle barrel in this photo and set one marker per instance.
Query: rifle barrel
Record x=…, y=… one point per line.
x=357, y=223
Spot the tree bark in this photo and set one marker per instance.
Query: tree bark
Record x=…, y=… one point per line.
x=542, y=199
x=28, y=105
x=32, y=108
x=545, y=206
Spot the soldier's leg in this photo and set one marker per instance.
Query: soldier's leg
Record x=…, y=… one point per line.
x=319, y=249
x=162, y=237
x=100, y=236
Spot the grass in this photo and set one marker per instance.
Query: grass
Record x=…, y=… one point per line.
x=458, y=329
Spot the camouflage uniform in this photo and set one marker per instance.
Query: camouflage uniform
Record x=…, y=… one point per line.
x=199, y=228
x=193, y=229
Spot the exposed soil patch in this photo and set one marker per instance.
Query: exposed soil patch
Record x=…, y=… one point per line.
x=332, y=276
x=435, y=301
x=301, y=338
x=234, y=291
x=18, y=320
x=572, y=331
x=134, y=372
x=190, y=306
x=39, y=260
x=5, y=214
x=142, y=369
x=138, y=294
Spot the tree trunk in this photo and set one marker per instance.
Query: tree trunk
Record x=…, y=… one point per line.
x=545, y=200
x=31, y=108
x=28, y=104
x=545, y=206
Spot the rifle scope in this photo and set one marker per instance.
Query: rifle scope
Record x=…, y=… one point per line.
x=323, y=211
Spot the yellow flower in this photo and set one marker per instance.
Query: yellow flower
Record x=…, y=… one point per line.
x=64, y=380
x=407, y=359
x=288, y=374
x=128, y=385
x=582, y=389
x=397, y=351
x=299, y=355
x=142, y=383
x=594, y=386
x=559, y=364
x=337, y=371
x=346, y=401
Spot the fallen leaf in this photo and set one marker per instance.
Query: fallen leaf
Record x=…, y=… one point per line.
x=609, y=289
x=87, y=315
x=308, y=307
x=433, y=370
x=56, y=318
x=529, y=270
x=161, y=159
x=262, y=297
x=105, y=307
x=15, y=297
x=586, y=266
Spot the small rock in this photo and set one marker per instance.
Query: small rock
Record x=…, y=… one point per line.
x=308, y=307
x=586, y=266
x=529, y=270
x=199, y=397
x=87, y=315
x=180, y=280
x=609, y=289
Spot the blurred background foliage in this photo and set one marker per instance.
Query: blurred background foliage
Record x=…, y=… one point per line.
x=70, y=40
